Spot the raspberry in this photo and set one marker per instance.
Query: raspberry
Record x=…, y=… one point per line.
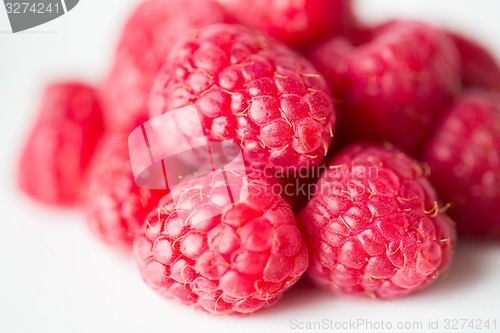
x=393, y=87
x=479, y=67
x=147, y=37
x=464, y=156
x=61, y=143
x=297, y=23
x=114, y=206
x=375, y=227
x=250, y=90
x=219, y=256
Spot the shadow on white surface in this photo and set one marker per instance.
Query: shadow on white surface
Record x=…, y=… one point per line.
x=474, y=265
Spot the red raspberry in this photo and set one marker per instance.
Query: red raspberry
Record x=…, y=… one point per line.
x=114, y=206
x=147, y=37
x=61, y=143
x=464, y=156
x=250, y=90
x=394, y=86
x=375, y=227
x=294, y=22
x=479, y=67
x=239, y=261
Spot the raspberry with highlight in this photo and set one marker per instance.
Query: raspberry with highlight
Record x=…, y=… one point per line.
x=238, y=260
x=61, y=143
x=143, y=47
x=394, y=86
x=250, y=90
x=464, y=156
x=375, y=228
x=114, y=206
x=298, y=23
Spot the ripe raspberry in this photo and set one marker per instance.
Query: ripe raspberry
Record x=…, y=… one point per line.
x=61, y=143
x=239, y=261
x=250, y=90
x=375, y=227
x=394, y=86
x=297, y=23
x=147, y=37
x=114, y=206
x=479, y=67
x=464, y=156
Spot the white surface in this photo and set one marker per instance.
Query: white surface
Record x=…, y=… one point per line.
x=55, y=277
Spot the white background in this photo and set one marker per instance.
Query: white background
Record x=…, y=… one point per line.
x=55, y=277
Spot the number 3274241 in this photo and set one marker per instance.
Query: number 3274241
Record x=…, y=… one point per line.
x=35, y=8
